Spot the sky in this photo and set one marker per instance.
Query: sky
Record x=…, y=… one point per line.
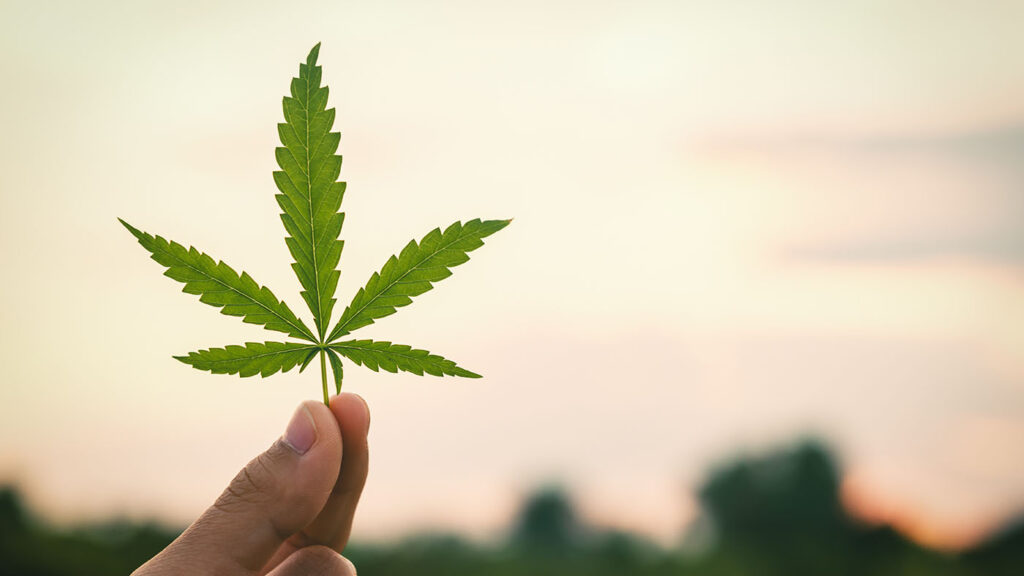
x=736, y=224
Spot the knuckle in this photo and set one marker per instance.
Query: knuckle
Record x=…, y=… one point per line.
x=257, y=483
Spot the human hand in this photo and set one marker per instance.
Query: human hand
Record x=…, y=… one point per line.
x=290, y=510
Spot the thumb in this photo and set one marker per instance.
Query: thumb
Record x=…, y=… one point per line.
x=277, y=494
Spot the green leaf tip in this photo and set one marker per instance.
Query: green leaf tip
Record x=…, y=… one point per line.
x=309, y=195
x=135, y=231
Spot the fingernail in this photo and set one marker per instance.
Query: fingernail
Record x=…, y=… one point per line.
x=301, y=432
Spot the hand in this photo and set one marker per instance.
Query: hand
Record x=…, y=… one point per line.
x=289, y=511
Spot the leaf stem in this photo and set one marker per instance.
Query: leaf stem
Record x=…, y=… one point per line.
x=323, y=377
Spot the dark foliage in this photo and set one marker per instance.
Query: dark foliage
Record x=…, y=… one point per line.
x=776, y=514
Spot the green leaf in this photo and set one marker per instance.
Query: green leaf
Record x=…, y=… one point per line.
x=264, y=358
x=218, y=285
x=413, y=272
x=308, y=359
x=336, y=369
x=310, y=194
x=394, y=357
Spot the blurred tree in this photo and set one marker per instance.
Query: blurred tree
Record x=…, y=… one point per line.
x=1002, y=554
x=547, y=524
x=29, y=548
x=12, y=513
x=781, y=496
x=782, y=512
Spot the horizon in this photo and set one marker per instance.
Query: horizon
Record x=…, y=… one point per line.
x=692, y=539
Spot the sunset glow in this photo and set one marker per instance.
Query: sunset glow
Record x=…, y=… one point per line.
x=734, y=227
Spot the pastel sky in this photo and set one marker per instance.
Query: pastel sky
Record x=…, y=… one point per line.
x=736, y=223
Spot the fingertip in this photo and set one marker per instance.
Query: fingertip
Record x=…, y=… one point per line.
x=315, y=560
x=352, y=413
x=313, y=405
x=323, y=418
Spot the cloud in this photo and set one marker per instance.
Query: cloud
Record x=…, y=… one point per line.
x=943, y=196
x=1003, y=246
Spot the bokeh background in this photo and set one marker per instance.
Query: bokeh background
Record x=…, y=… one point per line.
x=740, y=228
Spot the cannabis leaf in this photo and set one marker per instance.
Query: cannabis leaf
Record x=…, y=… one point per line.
x=310, y=199
x=218, y=285
x=412, y=272
x=395, y=357
x=253, y=358
x=310, y=196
